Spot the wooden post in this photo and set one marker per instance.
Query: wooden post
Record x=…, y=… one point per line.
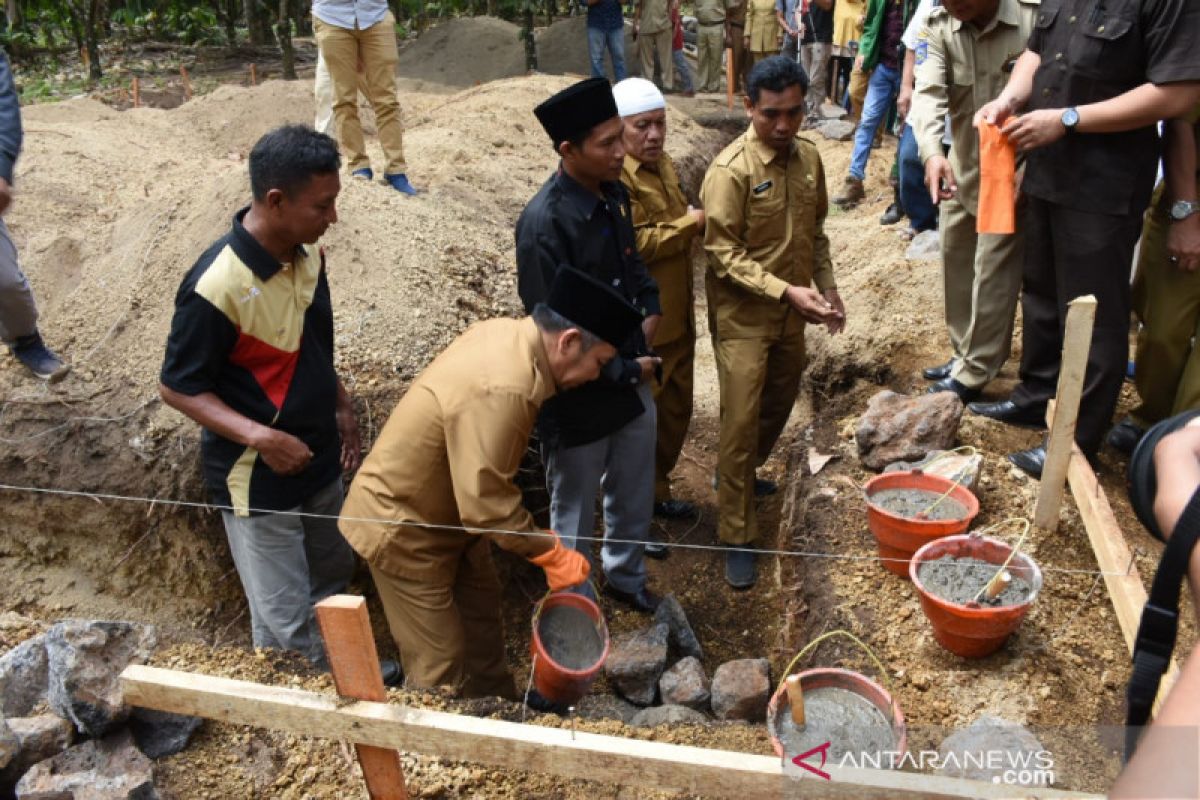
x=730, y=76
x=1077, y=342
x=137, y=92
x=350, y=646
x=187, y=84
x=253, y=74
x=795, y=693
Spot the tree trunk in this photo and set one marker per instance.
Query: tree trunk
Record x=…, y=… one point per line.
x=550, y=12
x=92, y=35
x=422, y=17
x=531, y=62
x=12, y=10
x=255, y=23
x=227, y=12
x=283, y=32
x=491, y=8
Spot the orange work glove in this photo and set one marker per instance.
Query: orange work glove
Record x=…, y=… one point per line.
x=564, y=567
x=997, y=185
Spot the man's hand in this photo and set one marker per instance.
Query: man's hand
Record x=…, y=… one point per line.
x=940, y=180
x=347, y=425
x=283, y=453
x=904, y=101
x=650, y=328
x=1183, y=244
x=5, y=195
x=835, y=326
x=812, y=306
x=858, y=63
x=1035, y=129
x=994, y=112
x=698, y=213
x=648, y=364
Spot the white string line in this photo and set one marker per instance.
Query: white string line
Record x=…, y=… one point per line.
x=469, y=529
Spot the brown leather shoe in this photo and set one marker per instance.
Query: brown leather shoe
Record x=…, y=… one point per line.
x=852, y=193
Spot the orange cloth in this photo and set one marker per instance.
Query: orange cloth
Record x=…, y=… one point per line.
x=997, y=182
x=564, y=567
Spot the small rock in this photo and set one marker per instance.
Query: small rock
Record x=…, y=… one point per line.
x=897, y=427
x=99, y=769
x=925, y=246
x=24, y=675
x=606, y=706
x=831, y=111
x=86, y=659
x=685, y=684
x=636, y=662
x=839, y=130
x=38, y=738
x=740, y=689
x=971, y=752
x=159, y=733
x=667, y=715
x=670, y=613
x=962, y=468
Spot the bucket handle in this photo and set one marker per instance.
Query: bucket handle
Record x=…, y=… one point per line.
x=883, y=673
x=1011, y=553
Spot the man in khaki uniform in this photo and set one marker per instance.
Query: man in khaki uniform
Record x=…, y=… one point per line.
x=962, y=62
x=438, y=483
x=765, y=201
x=664, y=225
x=711, y=37
x=653, y=30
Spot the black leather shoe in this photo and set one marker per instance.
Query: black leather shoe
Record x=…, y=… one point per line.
x=894, y=213
x=740, y=569
x=656, y=549
x=965, y=393
x=764, y=487
x=1125, y=436
x=1030, y=461
x=674, y=509
x=1010, y=413
x=642, y=600
x=938, y=372
x=393, y=674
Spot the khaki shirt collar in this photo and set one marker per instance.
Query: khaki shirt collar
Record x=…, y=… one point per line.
x=1007, y=13
x=766, y=154
x=541, y=361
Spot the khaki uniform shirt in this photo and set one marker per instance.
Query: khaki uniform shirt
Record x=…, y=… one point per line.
x=764, y=231
x=762, y=28
x=711, y=12
x=664, y=231
x=448, y=454
x=655, y=16
x=959, y=68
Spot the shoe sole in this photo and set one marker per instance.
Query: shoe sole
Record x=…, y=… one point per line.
x=741, y=587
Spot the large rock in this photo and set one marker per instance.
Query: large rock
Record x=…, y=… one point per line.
x=606, y=706
x=667, y=715
x=971, y=752
x=837, y=129
x=37, y=739
x=832, y=111
x=962, y=468
x=160, y=733
x=897, y=427
x=740, y=689
x=925, y=246
x=685, y=684
x=24, y=674
x=636, y=662
x=100, y=769
x=683, y=639
x=86, y=659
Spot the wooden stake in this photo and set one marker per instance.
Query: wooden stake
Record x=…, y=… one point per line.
x=350, y=646
x=997, y=585
x=137, y=92
x=187, y=84
x=730, y=77
x=253, y=75
x=795, y=693
x=1077, y=342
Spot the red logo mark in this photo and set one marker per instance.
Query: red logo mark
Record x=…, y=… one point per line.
x=823, y=749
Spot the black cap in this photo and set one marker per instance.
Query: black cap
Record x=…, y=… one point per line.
x=577, y=109
x=593, y=306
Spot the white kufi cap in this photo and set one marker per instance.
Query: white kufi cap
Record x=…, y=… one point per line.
x=637, y=95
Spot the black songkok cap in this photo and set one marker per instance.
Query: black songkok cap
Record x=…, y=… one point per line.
x=593, y=306
x=577, y=109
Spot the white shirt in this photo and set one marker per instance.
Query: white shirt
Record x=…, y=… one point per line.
x=351, y=14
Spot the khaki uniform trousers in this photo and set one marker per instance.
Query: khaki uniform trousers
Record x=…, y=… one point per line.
x=652, y=44
x=710, y=46
x=448, y=628
x=859, y=80
x=673, y=400
x=982, y=283
x=760, y=379
x=1167, y=301
x=376, y=46
x=741, y=57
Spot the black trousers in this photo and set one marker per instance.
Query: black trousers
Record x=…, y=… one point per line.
x=1069, y=254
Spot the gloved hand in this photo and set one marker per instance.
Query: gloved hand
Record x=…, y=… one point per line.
x=564, y=567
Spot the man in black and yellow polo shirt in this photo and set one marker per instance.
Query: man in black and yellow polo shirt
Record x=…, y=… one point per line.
x=250, y=358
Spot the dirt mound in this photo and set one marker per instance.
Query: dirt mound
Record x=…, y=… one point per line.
x=465, y=51
x=562, y=49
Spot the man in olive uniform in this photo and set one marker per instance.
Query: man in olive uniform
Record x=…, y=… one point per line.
x=765, y=201
x=712, y=34
x=665, y=226
x=653, y=30
x=1092, y=83
x=437, y=486
x=735, y=15
x=961, y=63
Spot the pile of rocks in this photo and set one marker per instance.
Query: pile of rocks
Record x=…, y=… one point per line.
x=659, y=669
x=65, y=730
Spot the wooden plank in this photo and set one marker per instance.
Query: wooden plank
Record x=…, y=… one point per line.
x=354, y=662
x=510, y=745
x=730, y=77
x=1077, y=343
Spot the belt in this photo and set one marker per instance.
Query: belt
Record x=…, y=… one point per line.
x=710, y=24
x=738, y=24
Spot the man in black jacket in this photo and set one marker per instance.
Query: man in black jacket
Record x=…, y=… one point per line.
x=601, y=434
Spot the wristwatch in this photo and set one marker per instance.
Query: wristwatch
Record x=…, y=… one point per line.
x=1182, y=209
x=1070, y=118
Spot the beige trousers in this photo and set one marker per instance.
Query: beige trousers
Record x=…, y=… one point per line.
x=650, y=44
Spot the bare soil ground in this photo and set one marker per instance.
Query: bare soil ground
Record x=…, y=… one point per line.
x=115, y=205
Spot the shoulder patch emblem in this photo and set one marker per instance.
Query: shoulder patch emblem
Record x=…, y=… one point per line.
x=922, y=51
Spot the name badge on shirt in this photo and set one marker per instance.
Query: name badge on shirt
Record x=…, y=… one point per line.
x=762, y=187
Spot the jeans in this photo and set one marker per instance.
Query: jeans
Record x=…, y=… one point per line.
x=614, y=40
x=682, y=71
x=922, y=214
x=881, y=92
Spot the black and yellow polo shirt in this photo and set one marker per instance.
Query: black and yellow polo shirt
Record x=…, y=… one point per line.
x=259, y=335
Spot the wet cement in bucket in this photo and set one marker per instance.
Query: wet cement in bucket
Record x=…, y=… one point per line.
x=908, y=503
x=960, y=579
x=570, y=637
x=848, y=721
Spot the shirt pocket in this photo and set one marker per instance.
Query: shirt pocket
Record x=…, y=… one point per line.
x=1105, y=48
x=765, y=215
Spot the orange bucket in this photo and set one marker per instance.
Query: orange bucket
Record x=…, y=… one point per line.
x=861, y=685
x=974, y=631
x=554, y=681
x=897, y=537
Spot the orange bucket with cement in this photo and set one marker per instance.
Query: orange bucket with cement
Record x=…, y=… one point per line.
x=897, y=534
x=569, y=646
